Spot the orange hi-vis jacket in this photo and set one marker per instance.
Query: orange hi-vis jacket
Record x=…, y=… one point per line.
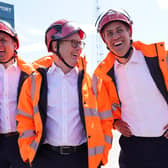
x=26, y=70
x=24, y=67
x=32, y=109
x=156, y=58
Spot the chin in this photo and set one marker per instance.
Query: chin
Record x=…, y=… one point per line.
x=73, y=64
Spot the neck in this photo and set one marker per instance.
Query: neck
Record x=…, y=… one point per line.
x=7, y=64
x=60, y=64
x=124, y=59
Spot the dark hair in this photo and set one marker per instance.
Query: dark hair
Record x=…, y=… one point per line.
x=126, y=25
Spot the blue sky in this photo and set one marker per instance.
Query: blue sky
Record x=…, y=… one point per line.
x=32, y=18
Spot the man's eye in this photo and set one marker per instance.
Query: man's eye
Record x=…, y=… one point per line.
x=110, y=33
x=75, y=42
x=2, y=40
x=119, y=30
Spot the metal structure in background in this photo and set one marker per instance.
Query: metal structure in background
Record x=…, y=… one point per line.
x=7, y=13
x=99, y=44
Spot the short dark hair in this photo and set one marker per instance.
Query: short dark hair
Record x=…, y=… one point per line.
x=126, y=25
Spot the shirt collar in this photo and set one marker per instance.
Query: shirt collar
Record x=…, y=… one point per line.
x=133, y=60
x=13, y=65
x=54, y=67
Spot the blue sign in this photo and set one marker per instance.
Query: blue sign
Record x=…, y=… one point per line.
x=7, y=13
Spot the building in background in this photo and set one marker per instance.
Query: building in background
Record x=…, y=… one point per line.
x=7, y=13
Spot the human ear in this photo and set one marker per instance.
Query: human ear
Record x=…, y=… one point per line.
x=54, y=46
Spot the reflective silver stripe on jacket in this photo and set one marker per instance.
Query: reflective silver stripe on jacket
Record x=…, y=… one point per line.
x=36, y=109
x=34, y=145
x=91, y=112
x=105, y=114
x=33, y=85
x=94, y=84
x=20, y=112
x=114, y=106
x=96, y=150
x=28, y=133
x=108, y=139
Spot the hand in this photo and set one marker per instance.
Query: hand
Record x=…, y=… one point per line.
x=123, y=128
x=166, y=131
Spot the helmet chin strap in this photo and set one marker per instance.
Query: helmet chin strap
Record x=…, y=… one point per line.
x=126, y=56
x=13, y=57
x=59, y=55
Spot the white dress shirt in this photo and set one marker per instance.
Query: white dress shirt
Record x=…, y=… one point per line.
x=143, y=106
x=63, y=125
x=9, y=79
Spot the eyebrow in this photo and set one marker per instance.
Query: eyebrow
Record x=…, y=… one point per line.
x=118, y=27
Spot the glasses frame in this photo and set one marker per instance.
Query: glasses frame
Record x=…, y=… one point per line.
x=76, y=43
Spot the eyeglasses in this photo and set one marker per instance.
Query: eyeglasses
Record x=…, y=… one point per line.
x=76, y=43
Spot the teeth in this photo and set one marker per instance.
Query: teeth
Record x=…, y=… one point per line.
x=118, y=43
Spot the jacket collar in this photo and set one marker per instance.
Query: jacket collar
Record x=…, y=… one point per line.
x=25, y=67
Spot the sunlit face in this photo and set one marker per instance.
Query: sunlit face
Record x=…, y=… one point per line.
x=117, y=37
x=7, y=47
x=70, y=49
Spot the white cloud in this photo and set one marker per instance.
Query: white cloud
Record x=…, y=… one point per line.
x=163, y=4
x=88, y=29
x=32, y=47
x=33, y=51
x=38, y=32
x=26, y=35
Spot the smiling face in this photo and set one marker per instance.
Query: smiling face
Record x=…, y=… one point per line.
x=68, y=52
x=117, y=37
x=7, y=47
x=70, y=49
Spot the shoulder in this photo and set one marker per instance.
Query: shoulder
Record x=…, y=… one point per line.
x=105, y=67
x=43, y=62
x=150, y=50
x=25, y=67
